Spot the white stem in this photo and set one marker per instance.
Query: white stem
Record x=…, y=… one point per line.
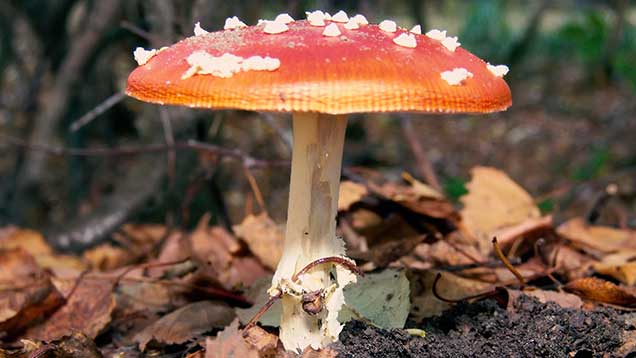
x=311, y=224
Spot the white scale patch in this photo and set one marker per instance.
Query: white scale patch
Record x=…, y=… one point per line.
x=360, y=20
x=273, y=27
x=340, y=16
x=198, y=30
x=417, y=29
x=233, y=23
x=142, y=56
x=332, y=30
x=351, y=25
x=388, y=26
x=456, y=76
x=226, y=65
x=284, y=18
x=499, y=70
x=436, y=34
x=450, y=43
x=316, y=18
x=406, y=40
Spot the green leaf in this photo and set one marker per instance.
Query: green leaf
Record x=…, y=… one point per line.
x=381, y=299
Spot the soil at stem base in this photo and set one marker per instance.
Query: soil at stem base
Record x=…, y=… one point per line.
x=484, y=329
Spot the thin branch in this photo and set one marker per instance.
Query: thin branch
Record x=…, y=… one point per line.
x=424, y=165
x=506, y=262
x=236, y=154
x=169, y=138
x=107, y=104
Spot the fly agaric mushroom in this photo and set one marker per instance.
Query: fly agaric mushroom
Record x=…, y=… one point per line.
x=320, y=70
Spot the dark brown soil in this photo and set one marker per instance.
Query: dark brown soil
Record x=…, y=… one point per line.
x=483, y=329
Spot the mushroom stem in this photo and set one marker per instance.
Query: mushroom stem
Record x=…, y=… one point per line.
x=311, y=229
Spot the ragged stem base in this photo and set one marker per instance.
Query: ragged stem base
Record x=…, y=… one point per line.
x=311, y=226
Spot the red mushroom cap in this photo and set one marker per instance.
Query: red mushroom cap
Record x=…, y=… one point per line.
x=361, y=70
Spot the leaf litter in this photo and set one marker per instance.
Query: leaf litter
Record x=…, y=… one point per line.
x=431, y=271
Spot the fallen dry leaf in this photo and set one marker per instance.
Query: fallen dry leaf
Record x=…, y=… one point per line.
x=417, y=201
x=31, y=241
x=26, y=292
x=34, y=243
x=621, y=266
x=349, y=194
x=596, y=289
x=76, y=345
x=494, y=202
x=229, y=343
x=88, y=309
x=263, y=237
x=563, y=299
x=602, y=239
x=107, y=257
x=219, y=254
x=186, y=323
x=449, y=286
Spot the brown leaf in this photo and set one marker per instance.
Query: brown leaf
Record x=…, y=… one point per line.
x=349, y=194
x=602, y=239
x=26, y=292
x=229, y=343
x=563, y=299
x=34, y=243
x=76, y=345
x=417, y=201
x=107, y=257
x=29, y=240
x=88, y=309
x=494, y=202
x=621, y=266
x=596, y=289
x=219, y=253
x=186, y=323
x=263, y=237
x=449, y=286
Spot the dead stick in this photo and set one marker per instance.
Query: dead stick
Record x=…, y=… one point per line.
x=504, y=259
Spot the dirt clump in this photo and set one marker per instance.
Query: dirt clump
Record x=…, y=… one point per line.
x=483, y=329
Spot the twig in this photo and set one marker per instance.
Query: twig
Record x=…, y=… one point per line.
x=278, y=293
x=272, y=299
x=423, y=163
x=169, y=138
x=504, y=259
x=107, y=104
x=601, y=201
x=236, y=154
x=325, y=260
x=255, y=189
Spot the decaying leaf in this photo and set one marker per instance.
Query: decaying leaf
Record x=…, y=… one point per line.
x=494, y=202
x=563, y=299
x=417, y=201
x=620, y=265
x=349, y=194
x=219, y=253
x=229, y=343
x=34, y=243
x=76, y=345
x=263, y=237
x=381, y=298
x=601, y=239
x=186, y=323
x=596, y=289
x=88, y=308
x=26, y=293
x=449, y=286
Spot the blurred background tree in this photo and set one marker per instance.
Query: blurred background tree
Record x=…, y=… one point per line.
x=79, y=158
